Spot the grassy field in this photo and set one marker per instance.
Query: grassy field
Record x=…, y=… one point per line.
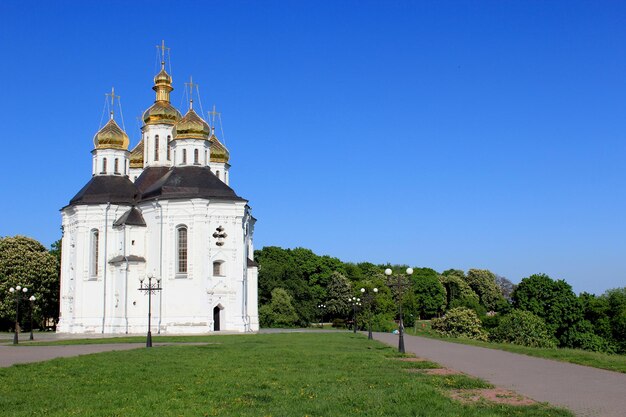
x=310, y=374
x=581, y=357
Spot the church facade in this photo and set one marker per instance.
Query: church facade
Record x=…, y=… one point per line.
x=164, y=212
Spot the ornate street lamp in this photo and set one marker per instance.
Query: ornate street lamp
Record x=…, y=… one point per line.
x=149, y=289
x=322, y=308
x=32, y=301
x=18, y=290
x=355, y=302
x=368, y=299
x=399, y=285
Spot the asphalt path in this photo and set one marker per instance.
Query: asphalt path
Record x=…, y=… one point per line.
x=584, y=390
x=10, y=355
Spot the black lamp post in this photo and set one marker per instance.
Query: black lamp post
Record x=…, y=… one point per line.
x=400, y=285
x=149, y=289
x=32, y=300
x=18, y=290
x=322, y=308
x=368, y=299
x=355, y=302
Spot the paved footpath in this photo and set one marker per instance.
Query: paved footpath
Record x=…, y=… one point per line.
x=584, y=390
x=10, y=355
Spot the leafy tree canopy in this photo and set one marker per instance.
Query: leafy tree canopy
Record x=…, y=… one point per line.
x=25, y=261
x=483, y=282
x=554, y=301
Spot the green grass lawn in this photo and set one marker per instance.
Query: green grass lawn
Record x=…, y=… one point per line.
x=581, y=357
x=296, y=374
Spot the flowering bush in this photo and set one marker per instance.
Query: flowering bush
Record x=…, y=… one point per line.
x=460, y=322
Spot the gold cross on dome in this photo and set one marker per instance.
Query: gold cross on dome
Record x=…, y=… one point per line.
x=113, y=97
x=191, y=85
x=163, y=49
x=213, y=113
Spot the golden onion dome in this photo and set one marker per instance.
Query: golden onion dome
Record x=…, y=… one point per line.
x=191, y=126
x=161, y=112
x=219, y=153
x=136, y=156
x=111, y=136
x=162, y=77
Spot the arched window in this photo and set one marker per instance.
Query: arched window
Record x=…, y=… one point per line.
x=206, y=157
x=116, y=166
x=104, y=165
x=226, y=177
x=217, y=269
x=169, y=139
x=184, y=156
x=181, y=249
x=217, y=173
x=156, y=148
x=93, y=255
x=196, y=158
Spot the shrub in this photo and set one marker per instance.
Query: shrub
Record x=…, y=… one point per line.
x=460, y=322
x=279, y=312
x=339, y=323
x=523, y=328
x=384, y=323
x=581, y=336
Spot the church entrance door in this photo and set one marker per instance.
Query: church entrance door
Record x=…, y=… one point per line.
x=216, y=319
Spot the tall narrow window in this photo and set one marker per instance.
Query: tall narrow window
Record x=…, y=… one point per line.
x=217, y=269
x=184, y=156
x=169, y=139
x=196, y=158
x=93, y=261
x=181, y=250
x=156, y=148
x=116, y=166
x=217, y=173
x=206, y=157
x=104, y=165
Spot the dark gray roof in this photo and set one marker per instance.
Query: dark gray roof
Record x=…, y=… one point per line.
x=155, y=182
x=132, y=217
x=106, y=189
x=252, y=264
x=149, y=176
x=189, y=182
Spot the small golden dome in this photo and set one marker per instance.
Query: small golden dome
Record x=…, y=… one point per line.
x=162, y=77
x=161, y=112
x=136, y=156
x=219, y=153
x=191, y=126
x=111, y=136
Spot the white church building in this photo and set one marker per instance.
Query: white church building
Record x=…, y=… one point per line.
x=162, y=210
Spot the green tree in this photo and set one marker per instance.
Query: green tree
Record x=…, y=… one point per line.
x=553, y=301
x=483, y=282
x=458, y=293
x=616, y=300
x=596, y=310
x=339, y=290
x=428, y=293
x=280, y=312
x=460, y=322
x=25, y=261
x=523, y=328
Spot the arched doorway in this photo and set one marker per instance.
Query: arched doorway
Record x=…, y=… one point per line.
x=216, y=318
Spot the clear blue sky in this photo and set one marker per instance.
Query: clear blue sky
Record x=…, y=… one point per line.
x=470, y=134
